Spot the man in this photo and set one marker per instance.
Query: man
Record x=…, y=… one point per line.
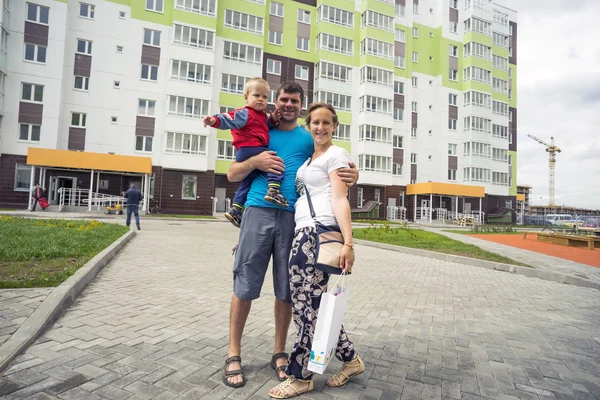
x=38, y=193
x=267, y=230
x=133, y=197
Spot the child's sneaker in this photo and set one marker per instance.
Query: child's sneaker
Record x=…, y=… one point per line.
x=234, y=215
x=274, y=196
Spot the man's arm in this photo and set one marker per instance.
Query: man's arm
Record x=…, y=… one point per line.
x=349, y=175
x=266, y=161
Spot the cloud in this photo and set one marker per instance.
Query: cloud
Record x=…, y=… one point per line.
x=558, y=96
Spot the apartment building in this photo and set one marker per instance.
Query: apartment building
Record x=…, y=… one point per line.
x=425, y=89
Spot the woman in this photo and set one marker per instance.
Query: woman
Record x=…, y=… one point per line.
x=328, y=194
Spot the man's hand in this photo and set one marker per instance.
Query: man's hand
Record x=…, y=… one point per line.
x=275, y=115
x=349, y=175
x=208, y=120
x=268, y=162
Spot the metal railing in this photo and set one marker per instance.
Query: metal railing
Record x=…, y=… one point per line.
x=81, y=198
x=396, y=213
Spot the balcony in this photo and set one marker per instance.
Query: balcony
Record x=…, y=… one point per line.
x=479, y=8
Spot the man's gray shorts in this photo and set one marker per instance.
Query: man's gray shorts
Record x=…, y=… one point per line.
x=264, y=232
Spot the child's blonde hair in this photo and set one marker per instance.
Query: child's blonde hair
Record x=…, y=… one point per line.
x=255, y=82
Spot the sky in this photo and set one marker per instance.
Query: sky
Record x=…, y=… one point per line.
x=558, y=94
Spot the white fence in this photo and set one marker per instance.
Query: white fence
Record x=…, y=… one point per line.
x=81, y=198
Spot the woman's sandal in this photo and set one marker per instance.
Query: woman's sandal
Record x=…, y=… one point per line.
x=286, y=388
x=235, y=372
x=280, y=368
x=340, y=379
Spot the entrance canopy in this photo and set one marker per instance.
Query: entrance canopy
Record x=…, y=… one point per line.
x=447, y=189
x=90, y=161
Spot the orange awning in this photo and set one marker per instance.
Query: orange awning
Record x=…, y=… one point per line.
x=84, y=160
x=448, y=189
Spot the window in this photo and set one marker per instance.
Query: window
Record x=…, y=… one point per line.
x=508, y=204
x=400, y=35
x=336, y=16
x=501, y=63
x=453, y=27
x=499, y=108
x=415, y=57
x=303, y=16
x=377, y=48
x=415, y=32
x=399, y=61
x=398, y=87
x=397, y=141
x=82, y=83
x=452, y=149
x=500, y=85
x=415, y=7
x=29, y=133
x=152, y=37
x=114, y=120
x=451, y=174
x=413, y=158
x=359, y=197
x=477, y=50
x=451, y=124
x=31, y=92
x=400, y=10
x=375, y=104
x=396, y=169
x=302, y=44
x=339, y=101
x=452, y=99
x=453, y=50
x=500, y=40
x=117, y=84
x=377, y=20
x=342, y=133
x=78, y=120
x=413, y=132
x=275, y=38
x=84, y=46
x=233, y=83
x=242, y=53
x=334, y=72
x=453, y=75
x=276, y=9
x=187, y=107
x=398, y=114
x=499, y=154
x=146, y=107
x=186, y=143
x=476, y=174
x=372, y=133
x=414, y=106
x=36, y=13
x=149, y=72
x=500, y=131
x=335, y=44
x=510, y=115
x=367, y=162
x=203, y=7
x=477, y=74
x=189, y=187
x=143, y=143
x=415, y=81
x=122, y=14
x=191, y=72
x=376, y=75
x=193, y=37
x=244, y=22
x=22, y=177
x=454, y=3
x=301, y=72
x=35, y=53
x=273, y=67
x=478, y=25
x=478, y=99
x=478, y=124
x=119, y=49
x=154, y=5
x=86, y=10
x=225, y=150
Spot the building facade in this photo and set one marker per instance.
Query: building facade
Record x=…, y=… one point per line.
x=425, y=89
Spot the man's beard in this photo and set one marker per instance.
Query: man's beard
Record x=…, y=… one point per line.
x=293, y=119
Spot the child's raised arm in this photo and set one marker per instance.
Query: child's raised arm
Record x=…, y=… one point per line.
x=235, y=119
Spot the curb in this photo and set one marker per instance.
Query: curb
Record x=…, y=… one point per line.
x=496, y=266
x=57, y=301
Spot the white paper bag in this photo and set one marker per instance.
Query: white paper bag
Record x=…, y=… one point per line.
x=327, y=331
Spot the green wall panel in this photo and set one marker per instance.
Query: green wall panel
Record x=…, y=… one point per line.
x=376, y=61
x=222, y=166
x=344, y=117
x=138, y=11
x=224, y=134
x=341, y=4
x=477, y=37
x=195, y=19
x=231, y=100
x=343, y=145
x=123, y=2
x=474, y=85
x=477, y=62
x=377, y=6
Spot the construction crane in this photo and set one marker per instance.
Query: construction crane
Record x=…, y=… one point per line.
x=551, y=149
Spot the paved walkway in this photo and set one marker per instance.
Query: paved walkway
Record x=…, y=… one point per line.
x=538, y=260
x=16, y=305
x=154, y=325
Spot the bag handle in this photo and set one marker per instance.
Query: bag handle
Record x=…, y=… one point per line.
x=310, y=204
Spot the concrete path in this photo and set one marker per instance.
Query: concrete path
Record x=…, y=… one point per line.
x=538, y=260
x=154, y=325
x=16, y=305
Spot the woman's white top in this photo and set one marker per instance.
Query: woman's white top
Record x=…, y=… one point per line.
x=315, y=177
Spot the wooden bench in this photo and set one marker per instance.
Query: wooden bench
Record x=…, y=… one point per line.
x=567, y=240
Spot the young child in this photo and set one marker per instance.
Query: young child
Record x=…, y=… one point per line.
x=250, y=130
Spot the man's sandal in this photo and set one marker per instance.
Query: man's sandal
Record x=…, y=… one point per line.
x=340, y=379
x=235, y=372
x=280, y=368
x=288, y=390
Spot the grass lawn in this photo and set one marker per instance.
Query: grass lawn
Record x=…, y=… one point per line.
x=8, y=209
x=43, y=253
x=420, y=239
x=377, y=222
x=470, y=232
x=180, y=216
